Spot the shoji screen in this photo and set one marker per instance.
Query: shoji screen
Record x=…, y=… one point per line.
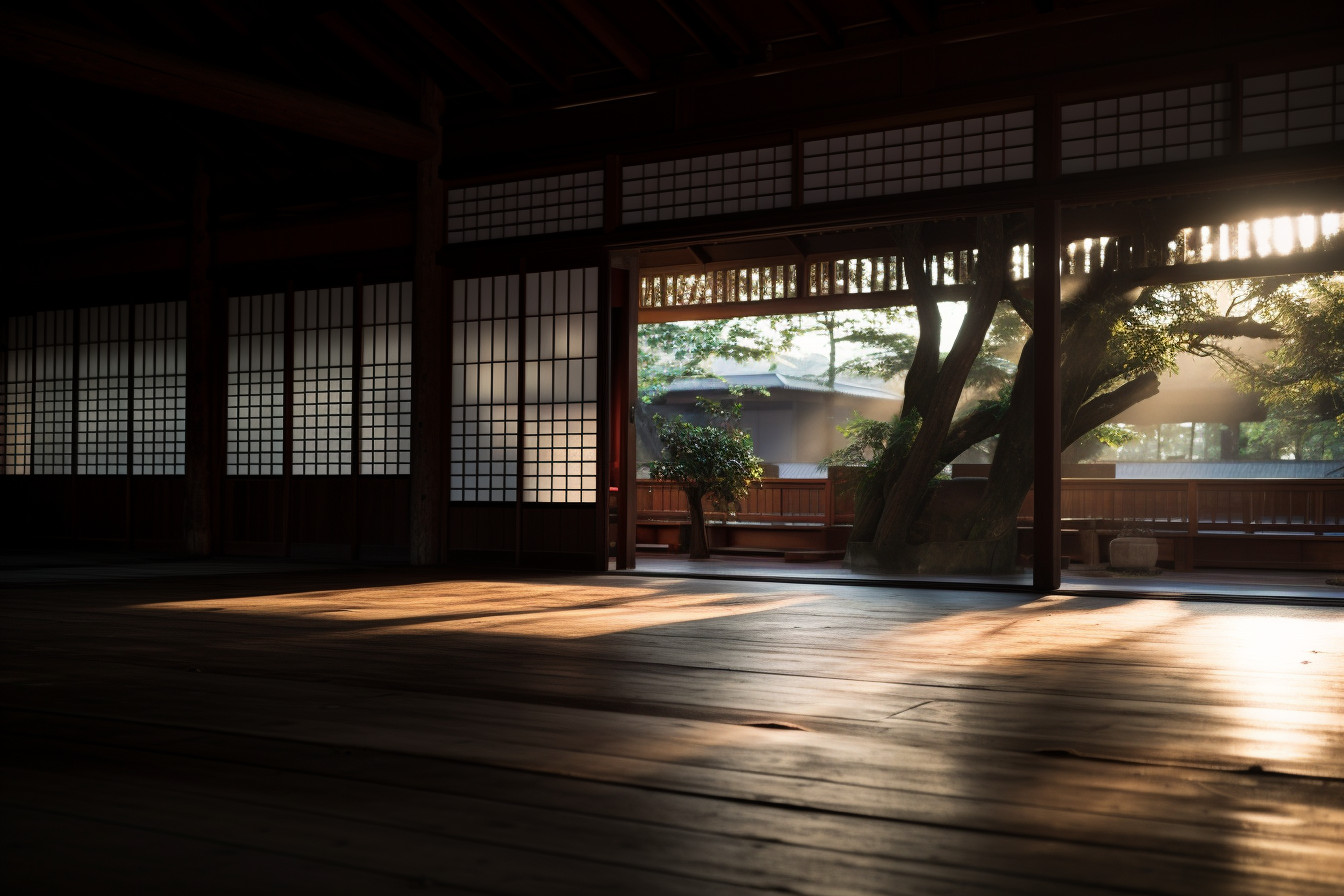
x=159, y=389
x=53, y=399
x=256, y=385
x=524, y=449
x=323, y=381
x=483, y=434
x=19, y=395
x=104, y=412
x=385, y=381
x=560, y=387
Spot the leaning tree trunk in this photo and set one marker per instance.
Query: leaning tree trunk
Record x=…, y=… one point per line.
x=1083, y=356
x=905, y=497
x=871, y=498
x=698, y=543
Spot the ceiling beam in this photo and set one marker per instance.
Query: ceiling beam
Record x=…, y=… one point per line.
x=356, y=40
x=720, y=19
x=443, y=40
x=814, y=19
x=611, y=37
x=116, y=63
x=913, y=14
x=489, y=20
x=680, y=19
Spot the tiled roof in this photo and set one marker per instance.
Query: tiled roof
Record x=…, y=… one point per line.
x=773, y=381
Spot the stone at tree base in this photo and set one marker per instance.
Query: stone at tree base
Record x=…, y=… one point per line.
x=1133, y=553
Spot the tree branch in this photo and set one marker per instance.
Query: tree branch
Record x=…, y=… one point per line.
x=1104, y=407
x=970, y=430
x=1230, y=328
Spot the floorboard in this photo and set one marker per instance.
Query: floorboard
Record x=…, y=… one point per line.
x=374, y=731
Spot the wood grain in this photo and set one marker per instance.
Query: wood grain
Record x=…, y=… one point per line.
x=370, y=731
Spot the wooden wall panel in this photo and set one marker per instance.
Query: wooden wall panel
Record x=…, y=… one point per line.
x=383, y=523
x=482, y=533
x=37, y=508
x=323, y=511
x=560, y=536
x=98, y=508
x=158, y=512
x=254, y=516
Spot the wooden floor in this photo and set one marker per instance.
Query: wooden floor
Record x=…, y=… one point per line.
x=369, y=732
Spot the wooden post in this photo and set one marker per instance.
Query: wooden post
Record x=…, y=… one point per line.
x=1046, y=503
x=1191, y=507
x=287, y=423
x=356, y=415
x=202, y=479
x=429, y=339
x=610, y=433
x=128, y=489
x=1047, y=228
x=625, y=319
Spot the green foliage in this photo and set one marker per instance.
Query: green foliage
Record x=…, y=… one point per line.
x=996, y=364
x=1112, y=435
x=712, y=460
x=866, y=440
x=1301, y=382
x=1164, y=323
x=1092, y=444
x=887, y=336
x=874, y=445
x=669, y=351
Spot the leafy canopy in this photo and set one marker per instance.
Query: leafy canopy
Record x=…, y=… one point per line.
x=712, y=460
x=1301, y=382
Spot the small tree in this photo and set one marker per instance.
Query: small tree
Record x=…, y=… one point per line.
x=711, y=461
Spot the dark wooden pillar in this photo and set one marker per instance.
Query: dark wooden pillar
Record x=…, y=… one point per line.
x=202, y=426
x=1045, y=511
x=428, y=367
x=624, y=320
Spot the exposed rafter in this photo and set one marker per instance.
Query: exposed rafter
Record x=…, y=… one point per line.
x=123, y=65
x=913, y=13
x=347, y=33
x=694, y=32
x=726, y=25
x=447, y=43
x=489, y=20
x=611, y=37
x=816, y=20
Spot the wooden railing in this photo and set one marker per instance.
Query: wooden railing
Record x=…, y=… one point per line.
x=1314, y=506
x=821, y=502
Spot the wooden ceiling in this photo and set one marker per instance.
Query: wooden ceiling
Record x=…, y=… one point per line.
x=314, y=104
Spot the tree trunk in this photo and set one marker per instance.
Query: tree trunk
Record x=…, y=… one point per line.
x=905, y=497
x=699, y=543
x=1012, y=471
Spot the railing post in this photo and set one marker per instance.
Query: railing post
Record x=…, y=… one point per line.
x=1191, y=506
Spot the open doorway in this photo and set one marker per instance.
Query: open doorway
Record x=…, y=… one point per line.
x=816, y=348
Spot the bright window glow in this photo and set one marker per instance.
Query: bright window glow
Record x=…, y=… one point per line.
x=1306, y=231
x=1284, y=237
x=1264, y=235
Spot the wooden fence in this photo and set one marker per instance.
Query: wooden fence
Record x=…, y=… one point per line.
x=821, y=502
x=1314, y=506
x=1194, y=506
